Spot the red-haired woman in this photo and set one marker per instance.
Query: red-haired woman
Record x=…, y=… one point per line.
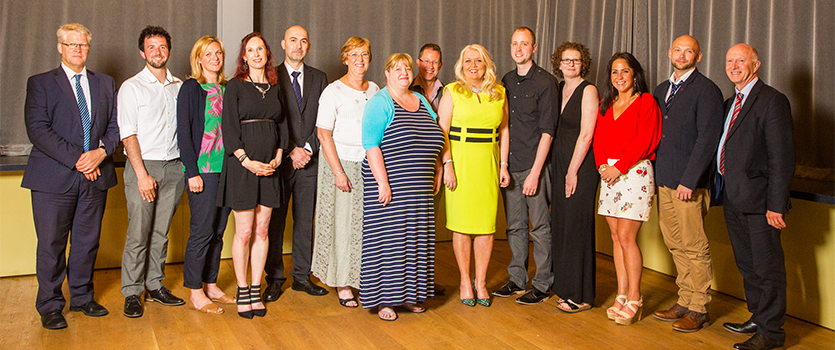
x=255, y=135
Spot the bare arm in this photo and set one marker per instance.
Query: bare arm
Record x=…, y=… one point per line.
x=504, y=148
x=147, y=185
x=445, y=121
x=329, y=150
x=587, y=123
x=378, y=168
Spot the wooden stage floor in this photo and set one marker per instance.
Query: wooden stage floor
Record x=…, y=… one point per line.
x=300, y=321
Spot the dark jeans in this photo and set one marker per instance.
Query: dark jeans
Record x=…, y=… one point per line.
x=205, y=240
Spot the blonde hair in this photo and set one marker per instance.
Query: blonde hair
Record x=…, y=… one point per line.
x=74, y=27
x=396, y=58
x=353, y=43
x=197, y=52
x=489, y=81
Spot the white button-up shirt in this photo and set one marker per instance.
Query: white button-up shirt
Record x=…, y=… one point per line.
x=290, y=71
x=85, y=84
x=148, y=109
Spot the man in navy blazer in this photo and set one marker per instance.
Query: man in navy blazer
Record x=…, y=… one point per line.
x=691, y=106
x=300, y=170
x=70, y=116
x=756, y=162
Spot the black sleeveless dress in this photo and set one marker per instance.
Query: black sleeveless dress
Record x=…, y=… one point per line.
x=572, y=219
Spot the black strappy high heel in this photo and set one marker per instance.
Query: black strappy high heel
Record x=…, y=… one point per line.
x=255, y=298
x=243, y=299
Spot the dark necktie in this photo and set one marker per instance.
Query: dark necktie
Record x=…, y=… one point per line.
x=82, y=109
x=673, y=91
x=737, y=107
x=297, y=89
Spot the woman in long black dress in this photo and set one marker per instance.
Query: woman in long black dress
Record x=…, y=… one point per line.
x=400, y=175
x=255, y=135
x=575, y=180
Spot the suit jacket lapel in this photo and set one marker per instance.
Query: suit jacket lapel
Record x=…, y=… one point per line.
x=684, y=86
x=749, y=101
x=95, y=94
x=69, y=91
x=308, y=81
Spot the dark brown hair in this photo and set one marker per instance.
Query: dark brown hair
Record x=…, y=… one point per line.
x=585, y=57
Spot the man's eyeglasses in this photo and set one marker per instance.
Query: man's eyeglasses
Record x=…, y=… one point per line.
x=73, y=46
x=434, y=63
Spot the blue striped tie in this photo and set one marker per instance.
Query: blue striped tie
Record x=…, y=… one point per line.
x=672, y=93
x=297, y=89
x=85, y=114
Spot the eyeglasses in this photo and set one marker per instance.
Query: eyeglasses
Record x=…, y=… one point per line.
x=355, y=55
x=434, y=63
x=567, y=61
x=73, y=46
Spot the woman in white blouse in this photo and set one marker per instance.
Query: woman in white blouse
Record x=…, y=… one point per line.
x=337, y=249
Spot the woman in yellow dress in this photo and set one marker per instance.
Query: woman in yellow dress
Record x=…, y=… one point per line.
x=473, y=116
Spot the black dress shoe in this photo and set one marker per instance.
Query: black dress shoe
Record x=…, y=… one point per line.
x=91, y=308
x=759, y=342
x=272, y=292
x=164, y=297
x=133, y=307
x=308, y=287
x=743, y=328
x=53, y=320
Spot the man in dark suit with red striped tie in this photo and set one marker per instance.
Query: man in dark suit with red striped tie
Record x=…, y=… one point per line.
x=70, y=116
x=756, y=162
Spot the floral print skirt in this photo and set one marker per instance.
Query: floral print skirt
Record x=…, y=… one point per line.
x=631, y=196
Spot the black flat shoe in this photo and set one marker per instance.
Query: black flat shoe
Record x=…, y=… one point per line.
x=91, y=308
x=53, y=320
x=133, y=307
x=272, y=292
x=255, y=298
x=747, y=327
x=308, y=287
x=164, y=297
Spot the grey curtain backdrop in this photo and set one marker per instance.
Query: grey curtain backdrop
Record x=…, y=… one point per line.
x=397, y=26
x=28, y=44
x=794, y=38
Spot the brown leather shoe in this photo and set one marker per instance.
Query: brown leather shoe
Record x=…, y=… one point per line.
x=675, y=313
x=693, y=322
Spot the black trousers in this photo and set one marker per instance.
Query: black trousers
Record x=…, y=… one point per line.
x=205, y=240
x=759, y=257
x=78, y=211
x=303, y=191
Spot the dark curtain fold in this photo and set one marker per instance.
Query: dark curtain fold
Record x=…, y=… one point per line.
x=28, y=45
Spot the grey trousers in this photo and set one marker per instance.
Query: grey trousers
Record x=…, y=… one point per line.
x=146, y=244
x=518, y=208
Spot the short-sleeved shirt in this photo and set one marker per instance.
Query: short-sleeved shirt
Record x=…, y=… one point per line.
x=340, y=110
x=533, y=107
x=148, y=109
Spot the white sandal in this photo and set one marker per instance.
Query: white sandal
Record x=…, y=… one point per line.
x=622, y=318
x=610, y=312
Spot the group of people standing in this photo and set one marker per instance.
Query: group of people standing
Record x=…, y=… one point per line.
x=364, y=162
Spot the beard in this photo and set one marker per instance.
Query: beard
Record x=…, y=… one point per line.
x=684, y=67
x=159, y=65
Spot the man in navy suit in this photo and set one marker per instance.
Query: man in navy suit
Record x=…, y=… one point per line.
x=691, y=106
x=70, y=116
x=302, y=85
x=756, y=163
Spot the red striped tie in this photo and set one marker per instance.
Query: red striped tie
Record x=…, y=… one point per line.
x=737, y=107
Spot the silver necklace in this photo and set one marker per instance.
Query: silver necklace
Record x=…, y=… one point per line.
x=263, y=91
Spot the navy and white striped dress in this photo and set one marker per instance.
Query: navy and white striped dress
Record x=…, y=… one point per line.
x=398, y=240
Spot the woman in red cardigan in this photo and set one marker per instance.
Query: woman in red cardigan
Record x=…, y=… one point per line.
x=627, y=134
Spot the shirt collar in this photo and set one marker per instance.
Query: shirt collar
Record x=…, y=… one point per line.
x=530, y=73
x=70, y=73
x=683, y=76
x=747, y=89
x=290, y=69
x=151, y=78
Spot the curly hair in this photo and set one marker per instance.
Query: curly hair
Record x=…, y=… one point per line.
x=489, y=83
x=585, y=57
x=152, y=31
